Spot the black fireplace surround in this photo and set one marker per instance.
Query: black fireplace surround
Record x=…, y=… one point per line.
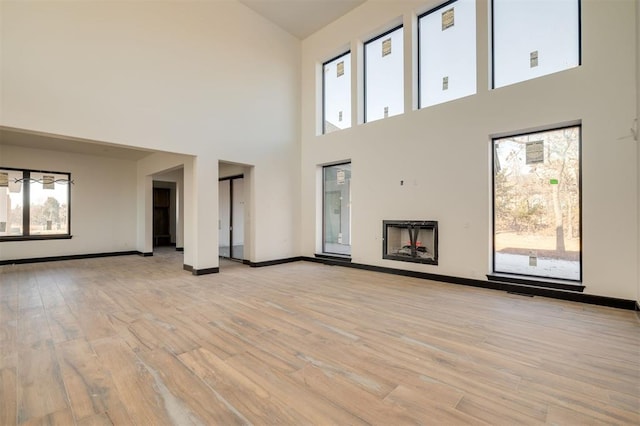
x=410, y=241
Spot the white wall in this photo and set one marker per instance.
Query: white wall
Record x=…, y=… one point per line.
x=209, y=79
x=227, y=169
x=442, y=152
x=103, y=203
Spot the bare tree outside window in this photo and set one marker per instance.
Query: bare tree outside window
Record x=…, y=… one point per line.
x=537, y=204
x=34, y=204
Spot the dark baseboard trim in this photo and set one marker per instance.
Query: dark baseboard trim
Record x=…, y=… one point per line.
x=205, y=271
x=332, y=261
x=638, y=306
x=179, y=248
x=6, y=239
x=545, y=283
x=68, y=257
x=336, y=257
x=200, y=271
x=145, y=254
x=272, y=262
x=494, y=285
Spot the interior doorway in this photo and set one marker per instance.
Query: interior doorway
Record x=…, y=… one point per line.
x=231, y=193
x=161, y=217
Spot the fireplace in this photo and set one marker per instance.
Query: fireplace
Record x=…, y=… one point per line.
x=410, y=241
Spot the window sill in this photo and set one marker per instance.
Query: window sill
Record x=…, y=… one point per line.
x=567, y=285
x=35, y=238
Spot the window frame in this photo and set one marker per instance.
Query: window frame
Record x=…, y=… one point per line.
x=324, y=86
x=26, y=208
x=527, y=279
x=493, y=47
x=364, y=69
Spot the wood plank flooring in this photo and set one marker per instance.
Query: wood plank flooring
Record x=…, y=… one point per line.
x=137, y=340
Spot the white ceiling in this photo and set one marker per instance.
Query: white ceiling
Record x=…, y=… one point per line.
x=36, y=140
x=302, y=18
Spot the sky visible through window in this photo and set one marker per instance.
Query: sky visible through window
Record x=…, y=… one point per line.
x=337, y=93
x=448, y=53
x=533, y=38
x=384, y=76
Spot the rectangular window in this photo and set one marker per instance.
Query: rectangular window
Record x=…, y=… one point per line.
x=537, y=204
x=384, y=75
x=447, y=52
x=34, y=204
x=532, y=38
x=336, y=93
x=337, y=209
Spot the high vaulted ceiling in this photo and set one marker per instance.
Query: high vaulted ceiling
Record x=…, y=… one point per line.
x=302, y=18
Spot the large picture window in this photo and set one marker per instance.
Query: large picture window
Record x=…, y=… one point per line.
x=384, y=75
x=537, y=204
x=532, y=38
x=336, y=93
x=34, y=204
x=447, y=52
x=337, y=209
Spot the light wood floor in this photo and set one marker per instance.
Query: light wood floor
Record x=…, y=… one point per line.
x=133, y=340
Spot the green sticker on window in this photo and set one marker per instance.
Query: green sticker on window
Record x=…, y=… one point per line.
x=553, y=181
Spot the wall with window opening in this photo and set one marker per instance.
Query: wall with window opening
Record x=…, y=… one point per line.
x=435, y=162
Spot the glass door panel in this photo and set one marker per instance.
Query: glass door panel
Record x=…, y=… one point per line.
x=237, y=215
x=337, y=209
x=224, y=218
